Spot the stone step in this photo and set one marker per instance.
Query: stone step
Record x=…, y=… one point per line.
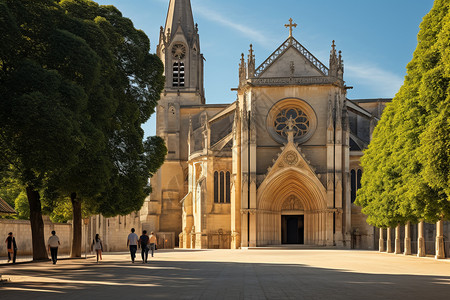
x=288, y=247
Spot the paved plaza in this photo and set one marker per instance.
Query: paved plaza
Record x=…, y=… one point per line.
x=233, y=274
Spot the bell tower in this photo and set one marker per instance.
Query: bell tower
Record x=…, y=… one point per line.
x=179, y=50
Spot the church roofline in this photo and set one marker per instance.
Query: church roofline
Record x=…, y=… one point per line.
x=231, y=108
x=205, y=106
x=370, y=100
x=288, y=43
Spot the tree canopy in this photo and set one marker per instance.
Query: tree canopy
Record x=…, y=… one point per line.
x=77, y=81
x=407, y=164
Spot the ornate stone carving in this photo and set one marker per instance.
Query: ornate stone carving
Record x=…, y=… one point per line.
x=292, y=203
x=291, y=158
x=252, y=178
x=244, y=179
x=252, y=211
x=251, y=62
x=242, y=71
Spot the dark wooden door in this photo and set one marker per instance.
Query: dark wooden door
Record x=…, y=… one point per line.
x=292, y=229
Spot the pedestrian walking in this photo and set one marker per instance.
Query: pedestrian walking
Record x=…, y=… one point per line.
x=53, y=244
x=132, y=243
x=143, y=243
x=153, y=242
x=97, y=245
x=12, y=247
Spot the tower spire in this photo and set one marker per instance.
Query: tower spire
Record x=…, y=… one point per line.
x=180, y=14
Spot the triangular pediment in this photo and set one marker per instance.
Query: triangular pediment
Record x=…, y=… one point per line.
x=290, y=157
x=291, y=64
x=291, y=59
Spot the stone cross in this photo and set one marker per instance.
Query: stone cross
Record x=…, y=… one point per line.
x=290, y=25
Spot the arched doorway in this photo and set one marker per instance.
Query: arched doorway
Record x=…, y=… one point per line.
x=292, y=221
x=292, y=209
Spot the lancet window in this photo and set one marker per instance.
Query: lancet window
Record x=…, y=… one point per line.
x=355, y=183
x=222, y=189
x=178, y=74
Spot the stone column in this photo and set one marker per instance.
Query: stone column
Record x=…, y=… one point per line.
x=407, y=239
x=330, y=235
x=420, y=241
x=389, y=241
x=397, y=240
x=381, y=241
x=440, y=253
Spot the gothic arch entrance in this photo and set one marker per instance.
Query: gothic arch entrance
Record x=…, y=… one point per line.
x=292, y=210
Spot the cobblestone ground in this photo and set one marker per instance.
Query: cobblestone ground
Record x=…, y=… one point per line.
x=233, y=274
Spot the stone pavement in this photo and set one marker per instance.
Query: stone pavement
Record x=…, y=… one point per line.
x=234, y=274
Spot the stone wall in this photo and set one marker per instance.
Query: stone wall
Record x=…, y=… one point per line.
x=22, y=232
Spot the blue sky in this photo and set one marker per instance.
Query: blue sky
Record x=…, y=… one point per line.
x=377, y=38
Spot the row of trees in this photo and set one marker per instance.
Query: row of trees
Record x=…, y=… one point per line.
x=407, y=165
x=76, y=83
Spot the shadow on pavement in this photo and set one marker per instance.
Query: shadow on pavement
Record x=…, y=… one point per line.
x=213, y=280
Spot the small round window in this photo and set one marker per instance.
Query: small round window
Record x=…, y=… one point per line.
x=295, y=111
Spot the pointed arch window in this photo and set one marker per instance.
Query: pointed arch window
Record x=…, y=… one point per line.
x=227, y=188
x=178, y=74
x=216, y=187
x=355, y=183
x=222, y=187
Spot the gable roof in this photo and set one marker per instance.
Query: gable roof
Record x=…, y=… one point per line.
x=5, y=208
x=291, y=42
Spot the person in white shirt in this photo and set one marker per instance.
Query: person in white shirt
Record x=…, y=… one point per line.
x=132, y=243
x=53, y=244
x=97, y=245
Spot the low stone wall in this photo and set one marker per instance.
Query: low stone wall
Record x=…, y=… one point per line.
x=22, y=232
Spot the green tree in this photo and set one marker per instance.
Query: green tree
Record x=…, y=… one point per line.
x=42, y=72
x=406, y=167
x=91, y=69
x=115, y=164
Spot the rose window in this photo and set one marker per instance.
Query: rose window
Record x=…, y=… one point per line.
x=300, y=122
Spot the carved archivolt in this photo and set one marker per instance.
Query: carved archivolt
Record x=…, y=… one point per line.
x=292, y=203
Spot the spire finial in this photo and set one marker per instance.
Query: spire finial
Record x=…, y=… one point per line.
x=290, y=25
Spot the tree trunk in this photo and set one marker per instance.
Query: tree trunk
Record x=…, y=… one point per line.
x=76, y=226
x=37, y=225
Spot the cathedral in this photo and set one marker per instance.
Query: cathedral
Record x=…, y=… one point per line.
x=280, y=165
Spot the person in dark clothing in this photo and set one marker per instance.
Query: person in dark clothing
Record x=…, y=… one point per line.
x=12, y=247
x=143, y=243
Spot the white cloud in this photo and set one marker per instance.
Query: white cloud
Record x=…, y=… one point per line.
x=243, y=29
x=216, y=17
x=381, y=82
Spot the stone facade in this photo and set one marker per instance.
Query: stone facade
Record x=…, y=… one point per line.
x=232, y=179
